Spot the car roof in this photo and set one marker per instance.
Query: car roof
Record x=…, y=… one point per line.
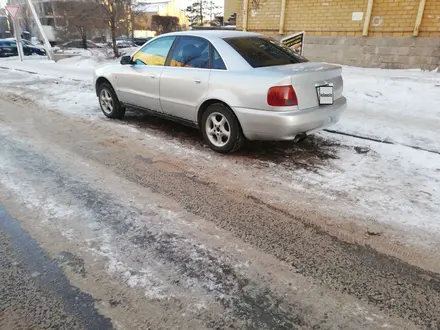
x=215, y=33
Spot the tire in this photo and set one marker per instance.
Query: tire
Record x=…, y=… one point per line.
x=109, y=102
x=215, y=131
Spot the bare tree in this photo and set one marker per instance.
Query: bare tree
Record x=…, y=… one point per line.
x=196, y=12
x=114, y=11
x=164, y=24
x=27, y=17
x=81, y=17
x=141, y=20
x=132, y=16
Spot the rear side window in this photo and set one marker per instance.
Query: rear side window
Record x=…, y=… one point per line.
x=217, y=62
x=262, y=52
x=191, y=52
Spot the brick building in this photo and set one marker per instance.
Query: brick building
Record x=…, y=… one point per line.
x=383, y=33
x=231, y=7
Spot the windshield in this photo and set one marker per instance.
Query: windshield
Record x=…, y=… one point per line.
x=264, y=51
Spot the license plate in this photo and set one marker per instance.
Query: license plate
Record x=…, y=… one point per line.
x=325, y=95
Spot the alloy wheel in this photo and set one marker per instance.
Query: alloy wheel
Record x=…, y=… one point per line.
x=218, y=129
x=106, y=101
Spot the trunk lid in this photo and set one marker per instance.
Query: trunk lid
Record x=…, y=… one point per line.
x=305, y=77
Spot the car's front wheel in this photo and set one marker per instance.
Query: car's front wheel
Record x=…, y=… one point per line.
x=110, y=105
x=221, y=129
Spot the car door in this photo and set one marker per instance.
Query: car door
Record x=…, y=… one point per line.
x=138, y=84
x=185, y=80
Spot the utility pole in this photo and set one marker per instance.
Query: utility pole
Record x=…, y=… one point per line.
x=40, y=28
x=18, y=40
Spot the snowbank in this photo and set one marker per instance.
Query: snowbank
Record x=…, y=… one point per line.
x=401, y=106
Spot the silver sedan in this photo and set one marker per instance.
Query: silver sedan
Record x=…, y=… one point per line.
x=231, y=85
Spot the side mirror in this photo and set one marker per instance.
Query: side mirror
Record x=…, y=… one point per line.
x=125, y=60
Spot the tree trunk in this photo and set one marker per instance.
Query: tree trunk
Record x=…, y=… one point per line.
x=131, y=20
x=201, y=12
x=113, y=31
x=83, y=34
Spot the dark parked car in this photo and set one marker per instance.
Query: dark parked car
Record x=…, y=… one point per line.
x=141, y=41
x=124, y=41
x=29, y=48
x=8, y=48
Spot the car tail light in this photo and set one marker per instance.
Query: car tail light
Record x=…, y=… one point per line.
x=281, y=96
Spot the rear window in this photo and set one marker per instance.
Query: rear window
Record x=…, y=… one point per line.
x=261, y=51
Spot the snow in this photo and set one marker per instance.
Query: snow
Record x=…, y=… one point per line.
x=401, y=106
x=392, y=185
x=80, y=66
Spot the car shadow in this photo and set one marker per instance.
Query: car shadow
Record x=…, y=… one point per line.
x=311, y=154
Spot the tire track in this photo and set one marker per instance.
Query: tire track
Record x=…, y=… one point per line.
x=378, y=279
x=356, y=136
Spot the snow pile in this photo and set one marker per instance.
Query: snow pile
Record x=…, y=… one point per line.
x=402, y=106
x=80, y=66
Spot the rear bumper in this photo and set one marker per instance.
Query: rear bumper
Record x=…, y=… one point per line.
x=279, y=125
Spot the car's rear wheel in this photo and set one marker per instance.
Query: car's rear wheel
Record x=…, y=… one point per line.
x=110, y=105
x=221, y=129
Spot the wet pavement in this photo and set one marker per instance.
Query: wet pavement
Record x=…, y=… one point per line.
x=309, y=154
x=117, y=233
x=34, y=292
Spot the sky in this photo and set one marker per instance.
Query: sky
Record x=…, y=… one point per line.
x=185, y=3
x=180, y=3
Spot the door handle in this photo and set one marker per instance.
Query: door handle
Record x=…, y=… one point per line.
x=153, y=76
x=197, y=81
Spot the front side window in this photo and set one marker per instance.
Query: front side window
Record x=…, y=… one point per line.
x=263, y=51
x=191, y=52
x=154, y=53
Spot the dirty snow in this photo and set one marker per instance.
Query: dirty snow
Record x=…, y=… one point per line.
x=393, y=185
x=399, y=106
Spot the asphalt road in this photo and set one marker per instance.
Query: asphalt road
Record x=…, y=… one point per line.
x=98, y=231
x=34, y=292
